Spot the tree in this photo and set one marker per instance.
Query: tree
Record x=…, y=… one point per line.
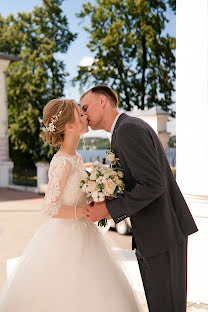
x=172, y=4
x=172, y=142
x=132, y=54
x=36, y=36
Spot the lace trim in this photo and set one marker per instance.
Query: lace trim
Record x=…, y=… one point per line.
x=50, y=209
x=77, y=162
x=52, y=198
x=58, y=167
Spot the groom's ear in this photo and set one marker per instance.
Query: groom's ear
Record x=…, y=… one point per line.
x=103, y=100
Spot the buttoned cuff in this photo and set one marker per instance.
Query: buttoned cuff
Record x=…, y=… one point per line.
x=115, y=211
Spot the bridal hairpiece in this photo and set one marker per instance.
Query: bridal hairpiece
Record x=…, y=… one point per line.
x=51, y=127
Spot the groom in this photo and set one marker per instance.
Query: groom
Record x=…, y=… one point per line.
x=160, y=218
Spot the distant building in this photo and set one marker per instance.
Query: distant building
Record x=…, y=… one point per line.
x=157, y=118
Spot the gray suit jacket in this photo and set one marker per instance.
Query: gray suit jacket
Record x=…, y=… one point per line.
x=159, y=215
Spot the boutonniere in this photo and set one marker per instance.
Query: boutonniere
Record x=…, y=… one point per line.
x=111, y=157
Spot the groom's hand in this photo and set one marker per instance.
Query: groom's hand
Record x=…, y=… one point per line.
x=96, y=211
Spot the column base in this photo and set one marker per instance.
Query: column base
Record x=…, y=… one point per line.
x=42, y=176
x=197, y=250
x=6, y=173
x=198, y=204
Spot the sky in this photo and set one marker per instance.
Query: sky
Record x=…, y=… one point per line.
x=77, y=53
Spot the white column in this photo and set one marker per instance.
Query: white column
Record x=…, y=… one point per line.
x=192, y=133
x=4, y=155
x=42, y=176
x=164, y=139
x=5, y=165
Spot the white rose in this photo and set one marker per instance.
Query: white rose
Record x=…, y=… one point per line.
x=101, y=180
x=95, y=196
x=116, y=180
x=101, y=197
x=106, y=175
x=111, y=157
x=93, y=175
x=98, y=196
x=109, y=187
x=113, y=173
x=92, y=186
x=120, y=174
x=108, y=169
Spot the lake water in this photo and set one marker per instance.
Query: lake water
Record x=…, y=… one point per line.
x=172, y=157
x=90, y=156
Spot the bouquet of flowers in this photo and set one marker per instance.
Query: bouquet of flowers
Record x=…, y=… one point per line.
x=103, y=182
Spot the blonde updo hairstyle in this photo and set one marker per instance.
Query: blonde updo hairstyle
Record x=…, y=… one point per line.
x=52, y=109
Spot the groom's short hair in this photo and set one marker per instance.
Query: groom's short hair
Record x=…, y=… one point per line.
x=105, y=90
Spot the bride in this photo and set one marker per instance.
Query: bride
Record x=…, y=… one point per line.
x=67, y=266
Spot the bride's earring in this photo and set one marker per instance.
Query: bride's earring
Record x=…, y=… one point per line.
x=84, y=143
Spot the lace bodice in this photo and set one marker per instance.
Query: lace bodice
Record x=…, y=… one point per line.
x=65, y=173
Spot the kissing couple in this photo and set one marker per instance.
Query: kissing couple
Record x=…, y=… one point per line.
x=68, y=265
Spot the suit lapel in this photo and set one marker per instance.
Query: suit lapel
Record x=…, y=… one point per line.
x=121, y=117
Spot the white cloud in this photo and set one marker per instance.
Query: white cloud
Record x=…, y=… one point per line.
x=86, y=61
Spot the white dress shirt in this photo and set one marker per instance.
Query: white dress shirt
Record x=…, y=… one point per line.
x=114, y=123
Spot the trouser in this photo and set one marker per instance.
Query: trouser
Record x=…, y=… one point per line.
x=165, y=279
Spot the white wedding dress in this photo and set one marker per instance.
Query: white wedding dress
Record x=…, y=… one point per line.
x=68, y=266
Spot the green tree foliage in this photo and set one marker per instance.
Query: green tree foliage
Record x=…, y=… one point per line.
x=172, y=142
x=39, y=77
x=132, y=53
x=172, y=4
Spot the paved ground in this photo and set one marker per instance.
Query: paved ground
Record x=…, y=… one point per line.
x=20, y=217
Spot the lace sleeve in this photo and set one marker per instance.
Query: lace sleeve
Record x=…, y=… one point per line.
x=59, y=172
